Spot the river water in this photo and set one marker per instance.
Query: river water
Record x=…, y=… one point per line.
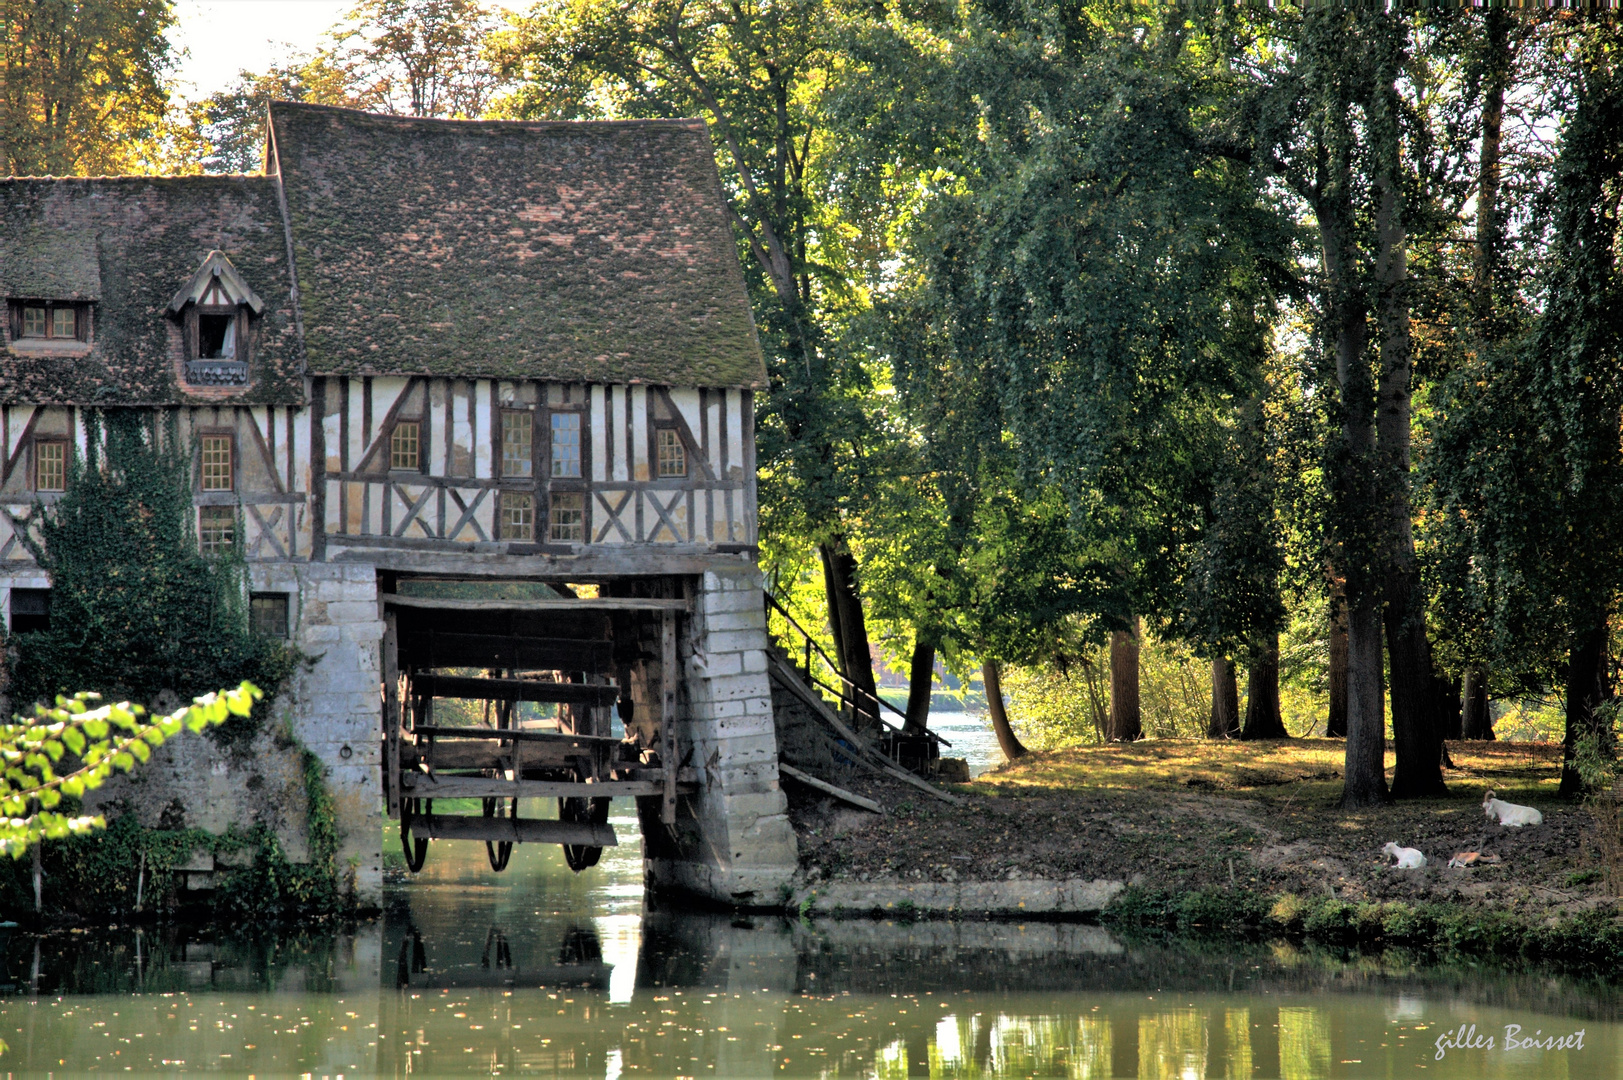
x=540, y=971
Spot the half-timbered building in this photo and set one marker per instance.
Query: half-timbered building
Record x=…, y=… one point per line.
x=475, y=400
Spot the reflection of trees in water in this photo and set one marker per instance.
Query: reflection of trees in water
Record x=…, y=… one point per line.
x=170, y=958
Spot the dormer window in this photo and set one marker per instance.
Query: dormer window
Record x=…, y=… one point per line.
x=216, y=309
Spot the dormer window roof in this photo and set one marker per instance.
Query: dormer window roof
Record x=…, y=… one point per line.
x=217, y=284
x=215, y=307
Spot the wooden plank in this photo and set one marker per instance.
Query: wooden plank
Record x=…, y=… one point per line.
x=510, y=735
x=438, y=650
x=667, y=724
x=423, y=786
x=828, y=789
x=468, y=688
x=391, y=712
x=606, y=603
x=513, y=830
x=789, y=679
x=484, y=559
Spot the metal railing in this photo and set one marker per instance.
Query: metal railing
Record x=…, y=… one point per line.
x=853, y=695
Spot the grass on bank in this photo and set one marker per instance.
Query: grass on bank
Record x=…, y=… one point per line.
x=1308, y=770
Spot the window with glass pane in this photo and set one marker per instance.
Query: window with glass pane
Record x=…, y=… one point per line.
x=517, y=516
x=517, y=431
x=566, y=444
x=64, y=323
x=568, y=517
x=50, y=466
x=216, y=463
x=267, y=613
x=673, y=456
x=216, y=528
x=33, y=322
x=403, y=445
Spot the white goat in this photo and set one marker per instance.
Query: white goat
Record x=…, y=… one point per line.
x=1509, y=813
x=1408, y=858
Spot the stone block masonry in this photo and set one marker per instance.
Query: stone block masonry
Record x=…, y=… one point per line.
x=330, y=706
x=733, y=843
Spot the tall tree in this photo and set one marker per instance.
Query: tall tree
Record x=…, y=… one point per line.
x=234, y=118
x=1108, y=380
x=417, y=57
x=1527, y=472
x=82, y=85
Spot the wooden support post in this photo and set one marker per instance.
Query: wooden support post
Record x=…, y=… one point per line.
x=667, y=724
x=391, y=713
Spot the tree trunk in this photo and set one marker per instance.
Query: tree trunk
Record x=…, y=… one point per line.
x=1416, y=731
x=1126, y=725
x=1586, y=688
x=1335, y=725
x=845, y=608
x=1477, y=720
x=1365, y=769
x=1225, y=722
x=920, y=681
x=1354, y=490
x=1006, y=739
x=1262, y=719
x=1448, y=698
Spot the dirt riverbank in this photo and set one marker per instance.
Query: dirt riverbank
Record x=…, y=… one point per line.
x=1260, y=820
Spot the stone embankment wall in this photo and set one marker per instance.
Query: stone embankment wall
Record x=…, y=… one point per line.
x=329, y=708
x=732, y=842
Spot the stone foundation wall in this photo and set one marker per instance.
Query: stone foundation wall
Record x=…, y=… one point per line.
x=732, y=842
x=329, y=707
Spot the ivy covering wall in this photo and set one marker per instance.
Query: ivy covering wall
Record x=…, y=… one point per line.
x=139, y=613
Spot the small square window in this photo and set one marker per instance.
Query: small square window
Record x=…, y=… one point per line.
x=30, y=610
x=217, y=463
x=517, y=434
x=34, y=322
x=50, y=466
x=566, y=444
x=216, y=529
x=267, y=613
x=517, y=516
x=64, y=322
x=568, y=517
x=672, y=455
x=403, y=446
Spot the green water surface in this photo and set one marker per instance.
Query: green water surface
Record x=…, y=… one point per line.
x=540, y=971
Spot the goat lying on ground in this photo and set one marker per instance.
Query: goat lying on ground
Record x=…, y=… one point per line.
x=1408, y=858
x=1509, y=813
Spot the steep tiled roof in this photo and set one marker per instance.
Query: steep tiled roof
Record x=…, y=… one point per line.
x=568, y=251
x=128, y=243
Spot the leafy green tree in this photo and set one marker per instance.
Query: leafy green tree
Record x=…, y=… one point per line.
x=93, y=741
x=82, y=85
x=1527, y=466
x=1082, y=306
x=234, y=118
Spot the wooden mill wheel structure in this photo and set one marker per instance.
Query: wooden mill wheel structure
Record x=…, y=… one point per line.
x=502, y=654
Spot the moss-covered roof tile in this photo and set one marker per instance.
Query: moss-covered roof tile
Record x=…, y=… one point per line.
x=568, y=251
x=126, y=244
